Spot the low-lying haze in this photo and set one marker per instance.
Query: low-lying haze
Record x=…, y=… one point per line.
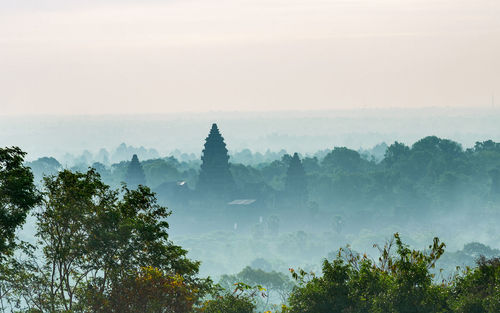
x=299, y=131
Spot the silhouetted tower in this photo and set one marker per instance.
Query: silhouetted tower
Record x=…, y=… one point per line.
x=215, y=180
x=135, y=175
x=295, y=182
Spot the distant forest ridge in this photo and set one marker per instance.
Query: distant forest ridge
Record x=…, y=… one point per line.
x=432, y=175
x=247, y=156
x=305, y=132
x=124, y=152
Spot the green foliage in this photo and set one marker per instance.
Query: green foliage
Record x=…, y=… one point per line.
x=399, y=282
x=104, y=250
x=343, y=159
x=94, y=240
x=423, y=181
x=18, y=196
x=159, y=171
x=395, y=153
x=229, y=303
x=149, y=290
x=478, y=290
x=326, y=294
x=240, y=300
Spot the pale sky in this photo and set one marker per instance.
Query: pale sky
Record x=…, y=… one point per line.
x=117, y=56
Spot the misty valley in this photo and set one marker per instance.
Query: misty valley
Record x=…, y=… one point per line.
x=249, y=156
x=393, y=228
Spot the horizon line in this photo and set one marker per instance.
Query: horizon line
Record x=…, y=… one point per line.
x=277, y=111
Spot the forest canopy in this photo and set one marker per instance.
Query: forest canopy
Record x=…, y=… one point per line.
x=103, y=244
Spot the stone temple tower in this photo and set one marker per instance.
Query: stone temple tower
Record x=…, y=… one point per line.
x=215, y=180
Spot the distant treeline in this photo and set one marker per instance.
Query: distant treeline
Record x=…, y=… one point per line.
x=432, y=175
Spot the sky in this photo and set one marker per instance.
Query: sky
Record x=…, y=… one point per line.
x=151, y=56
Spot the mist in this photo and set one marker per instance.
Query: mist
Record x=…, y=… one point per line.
x=252, y=155
x=356, y=206
x=301, y=131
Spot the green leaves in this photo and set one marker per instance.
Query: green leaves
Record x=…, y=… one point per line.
x=398, y=282
x=478, y=290
x=18, y=195
x=94, y=238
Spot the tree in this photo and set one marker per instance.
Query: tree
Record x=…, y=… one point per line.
x=343, y=159
x=135, y=174
x=295, y=182
x=93, y=241
x=326, y=294
x=240, y=300
x=399, y=282
x=395, y=153
x=478, y=290
x=229, y=303
x=436, y=145
x=149, y=290
x=18, y=195
x=486, y=145
x=276, y=286
x=215, y=180
x=159, y=171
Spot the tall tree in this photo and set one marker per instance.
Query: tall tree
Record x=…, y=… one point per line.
x=295, y=182
x=17, y=196
x=343, y=159
x=135, y=174
x=215, y=180
x=395, y=153
x=96, y=242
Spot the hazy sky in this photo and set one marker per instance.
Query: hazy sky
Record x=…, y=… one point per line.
x=116, y=56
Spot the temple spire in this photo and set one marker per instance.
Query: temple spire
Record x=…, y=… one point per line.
x=215, y=178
